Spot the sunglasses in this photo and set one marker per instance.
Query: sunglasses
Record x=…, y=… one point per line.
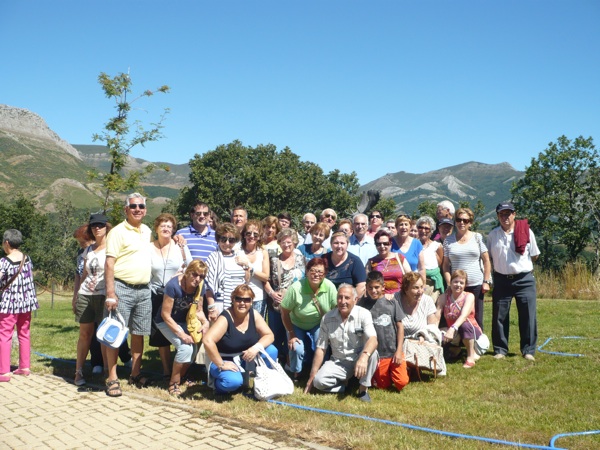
x=329, y=216
x=137, y=206
x=97, y=225
x=251, y=234
x=462, y=220
x=243, y=300
x=224, y=240
x=384, y=244
x=375, y=216
x=201, y=213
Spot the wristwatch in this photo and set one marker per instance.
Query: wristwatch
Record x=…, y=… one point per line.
x=490, y=281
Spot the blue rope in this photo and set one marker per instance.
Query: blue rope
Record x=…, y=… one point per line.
x=560, y=353
x=579, y=433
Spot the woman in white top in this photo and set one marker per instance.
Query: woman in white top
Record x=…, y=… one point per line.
x=256, y=258
x=89, y=306
x=430, y=258
x=167, y=259
x=418, y=309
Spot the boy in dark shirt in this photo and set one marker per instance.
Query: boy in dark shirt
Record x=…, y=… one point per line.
x=387, y=318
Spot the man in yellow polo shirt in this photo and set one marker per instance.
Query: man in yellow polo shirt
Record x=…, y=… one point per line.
x=127, y=277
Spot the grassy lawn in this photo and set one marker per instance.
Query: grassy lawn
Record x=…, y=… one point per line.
x=510, y=399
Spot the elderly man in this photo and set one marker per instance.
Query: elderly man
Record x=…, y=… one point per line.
x=308, y=220
x=391, y=226
x=445, y=210
x=127, y=277
x=239, y=217
x=513, y=250
x=200, y=237
x=349, y=331
x=359, y=243
x=375, y=221
x=328, y=217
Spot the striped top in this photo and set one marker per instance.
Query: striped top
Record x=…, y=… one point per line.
x=224, y=275
x=201, y=245
x=466, y=256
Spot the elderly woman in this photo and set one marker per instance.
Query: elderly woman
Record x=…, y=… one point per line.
x=431, y=258
x=319, y=233
x=180, y=293
x=89, y=305
x=392, y=266
x=466, y=250
x=270, y=229
x=286, y=268
x=406, y=245
x=18, y=299
x=419, y=309
x=375, y=223
x=344, y=267
x=235, y=339
x=458, y=307
x=224, y=272
x=254, y=256
x=166, y=260
x=345, y=226
x=304, y=305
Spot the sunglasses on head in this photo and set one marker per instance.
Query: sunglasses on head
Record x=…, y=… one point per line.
x=224, y=240
x=137, y=206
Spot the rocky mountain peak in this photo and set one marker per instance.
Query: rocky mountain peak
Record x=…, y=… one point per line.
x=19, y=121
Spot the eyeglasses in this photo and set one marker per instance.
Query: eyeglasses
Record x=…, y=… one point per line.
x=424, y=228
x=382, y=244
x=462, y=220
x=243, y=300
x=224, y=240
x=251, y=234
x=374, y=216
x=137, y=205
x=316, y=272
x=329, y=216
x=201, y=213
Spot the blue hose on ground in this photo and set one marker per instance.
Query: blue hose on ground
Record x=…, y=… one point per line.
x=560, y=353
x=579, y=433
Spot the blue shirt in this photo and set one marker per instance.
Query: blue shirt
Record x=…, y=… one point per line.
x=364, y=250
x=412, y=254
x=200, y=244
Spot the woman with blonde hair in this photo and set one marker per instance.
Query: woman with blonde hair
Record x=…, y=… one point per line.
x=180, y=293
x=270, y=229
x=406, y=245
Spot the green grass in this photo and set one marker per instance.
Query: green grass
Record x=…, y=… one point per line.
x=511, y=399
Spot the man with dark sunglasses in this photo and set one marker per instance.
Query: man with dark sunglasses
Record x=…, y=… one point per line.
x=200, y=237
x=127, y=277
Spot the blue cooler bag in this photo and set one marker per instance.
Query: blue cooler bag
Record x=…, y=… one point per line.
x=112, y=331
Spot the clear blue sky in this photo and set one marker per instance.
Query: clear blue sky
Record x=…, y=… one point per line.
x=372, y=87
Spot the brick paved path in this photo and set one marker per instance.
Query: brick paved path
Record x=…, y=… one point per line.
x=45, y=412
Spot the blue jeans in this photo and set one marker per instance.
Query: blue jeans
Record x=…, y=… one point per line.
x=304, y=351
x=276, y=324
x=229, y=381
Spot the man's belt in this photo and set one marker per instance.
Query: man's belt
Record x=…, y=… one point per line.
x=516, y=276
x=132, y=286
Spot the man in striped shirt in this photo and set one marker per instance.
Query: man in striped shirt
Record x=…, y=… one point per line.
x=200, y=237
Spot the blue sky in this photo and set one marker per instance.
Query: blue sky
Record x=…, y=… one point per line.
x=373, y=87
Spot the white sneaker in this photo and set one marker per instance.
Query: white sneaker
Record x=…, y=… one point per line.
x=529, y=357
x=97, y=370
x=499, y=356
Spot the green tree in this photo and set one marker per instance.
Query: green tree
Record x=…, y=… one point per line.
x=426, y=208
x=265, y=181
x=387, y=208
x=120, y=137
x=555, y=193
x=478, y=211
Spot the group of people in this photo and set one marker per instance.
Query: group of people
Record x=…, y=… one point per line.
x=328, y=302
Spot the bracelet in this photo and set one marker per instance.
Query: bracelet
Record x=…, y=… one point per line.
x=454, y=327
x=367, y=353
x=111, y=300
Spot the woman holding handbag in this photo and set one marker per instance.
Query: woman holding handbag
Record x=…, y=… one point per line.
x=180, y=293
x=167, y=259
x=235, y=339
x=465, y=250
x=18, y=299
x=392, y=266
x=305, y=303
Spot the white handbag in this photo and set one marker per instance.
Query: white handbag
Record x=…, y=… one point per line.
x=112, y=331
x=270, y=382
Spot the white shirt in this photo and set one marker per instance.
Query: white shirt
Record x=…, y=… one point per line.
x=504, y=257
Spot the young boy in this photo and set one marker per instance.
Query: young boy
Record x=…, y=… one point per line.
x=387, y=318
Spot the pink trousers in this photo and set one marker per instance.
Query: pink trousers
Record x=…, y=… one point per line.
x=7, y=325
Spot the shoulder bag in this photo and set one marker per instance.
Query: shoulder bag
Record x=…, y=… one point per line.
x=271, y=380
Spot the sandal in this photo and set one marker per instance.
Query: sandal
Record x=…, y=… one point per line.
x=79, y=380
x=174, y=390
x=140, y=381
x=113, y=388
x=24, y=372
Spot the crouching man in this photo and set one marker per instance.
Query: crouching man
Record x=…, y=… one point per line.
x=349, y=331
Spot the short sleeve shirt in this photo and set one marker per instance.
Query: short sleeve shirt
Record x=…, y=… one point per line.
x=351, y=271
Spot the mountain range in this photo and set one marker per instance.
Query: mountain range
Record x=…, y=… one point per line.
x=38, y=163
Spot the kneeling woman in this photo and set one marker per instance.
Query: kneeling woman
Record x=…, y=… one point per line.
x=235, y=339
x=458, y=306
x=180, y=293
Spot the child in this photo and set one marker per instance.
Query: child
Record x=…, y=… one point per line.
x=459, y=311
x=387, y=318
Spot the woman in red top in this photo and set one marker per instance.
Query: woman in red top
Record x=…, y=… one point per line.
x=392, y=265
x=458, y=307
